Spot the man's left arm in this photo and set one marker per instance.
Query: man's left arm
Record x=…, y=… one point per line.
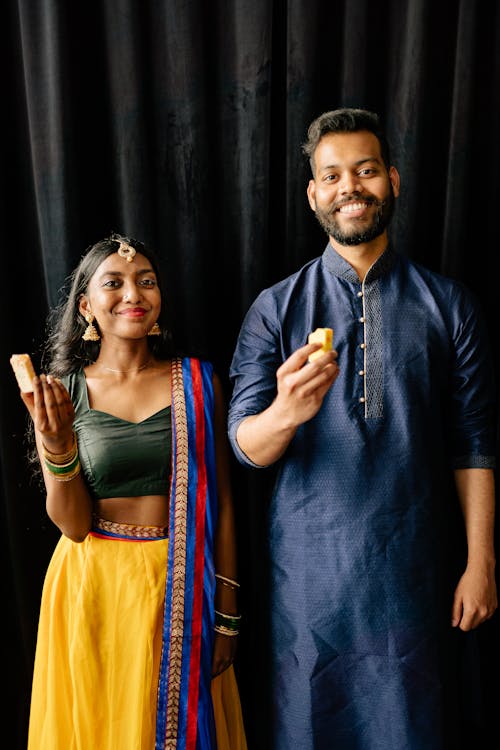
x=475, y=597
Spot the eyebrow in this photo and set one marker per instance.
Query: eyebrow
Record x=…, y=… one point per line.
x=140, y=272
x=356, y=163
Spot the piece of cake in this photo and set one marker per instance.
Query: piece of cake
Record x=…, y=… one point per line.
x=323, y=336
x=24, y=371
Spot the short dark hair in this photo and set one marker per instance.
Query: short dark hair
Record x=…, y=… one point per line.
x=347, y=120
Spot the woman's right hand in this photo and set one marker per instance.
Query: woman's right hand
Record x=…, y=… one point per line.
x=52, y=412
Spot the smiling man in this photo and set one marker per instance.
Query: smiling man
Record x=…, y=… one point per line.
x=372, y=601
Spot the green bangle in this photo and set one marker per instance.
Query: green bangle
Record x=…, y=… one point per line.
x=59, y=469
x=67, y=477
x=230, y=622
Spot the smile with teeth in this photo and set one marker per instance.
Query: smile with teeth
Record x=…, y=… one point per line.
x=349, y=208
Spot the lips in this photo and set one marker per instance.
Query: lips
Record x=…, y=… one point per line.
x=133, y=312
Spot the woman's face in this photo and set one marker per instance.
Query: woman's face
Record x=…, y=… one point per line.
x=123, y=296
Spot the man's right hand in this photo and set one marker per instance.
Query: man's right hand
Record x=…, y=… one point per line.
x=301, y=388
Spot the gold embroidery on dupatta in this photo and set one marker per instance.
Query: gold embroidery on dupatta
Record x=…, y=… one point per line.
x=179, y=561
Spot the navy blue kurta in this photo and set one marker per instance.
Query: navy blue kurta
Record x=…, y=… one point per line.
x=358, y=526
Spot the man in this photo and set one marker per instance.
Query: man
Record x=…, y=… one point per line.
x=367, y=601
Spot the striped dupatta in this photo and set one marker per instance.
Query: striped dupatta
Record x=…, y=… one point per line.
x=184, y=706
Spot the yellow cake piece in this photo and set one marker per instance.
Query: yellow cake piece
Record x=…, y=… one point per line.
x=323, y=336
x=24, y=371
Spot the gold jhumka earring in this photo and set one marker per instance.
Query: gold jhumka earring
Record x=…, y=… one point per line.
x=90, y=333
x=155, y=330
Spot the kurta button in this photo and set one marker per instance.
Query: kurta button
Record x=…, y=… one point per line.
x=361, y=372
x=361, y=320
x=362, y=346
x=362, y=400
x=360, y=294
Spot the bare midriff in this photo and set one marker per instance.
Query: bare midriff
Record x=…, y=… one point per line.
x=145, y=510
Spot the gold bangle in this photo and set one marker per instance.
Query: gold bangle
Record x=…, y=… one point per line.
x=60, y=459
x=232, y=584
x=227, y=617
x=69, y=476
x=62, y=468
x=225, y=631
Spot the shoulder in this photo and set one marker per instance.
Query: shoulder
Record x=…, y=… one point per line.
x=436, y=277
x=208, y=373
x=197, y=363
x=72, y=381
x=275, y=297
x=446, y=286
x=197, y=372
x=458, y=306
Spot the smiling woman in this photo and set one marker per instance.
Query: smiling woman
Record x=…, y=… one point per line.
x=123, y=290
x=119, y=423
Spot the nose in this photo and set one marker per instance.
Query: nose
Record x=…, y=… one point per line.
x=131, y=293
x=349, y=183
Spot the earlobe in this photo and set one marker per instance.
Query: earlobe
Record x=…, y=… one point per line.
x=83, y=305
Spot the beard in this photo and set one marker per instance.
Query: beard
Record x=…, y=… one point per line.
x=358, y=235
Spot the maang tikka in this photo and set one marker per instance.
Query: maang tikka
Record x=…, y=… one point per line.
x=126, y=251
x=90, y=333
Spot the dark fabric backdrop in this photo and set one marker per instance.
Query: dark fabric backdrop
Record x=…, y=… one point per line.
x=180, y=122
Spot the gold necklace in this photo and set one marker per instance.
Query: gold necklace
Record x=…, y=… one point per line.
x=123, y=372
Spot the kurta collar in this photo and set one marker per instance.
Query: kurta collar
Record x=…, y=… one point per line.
x=338, y=266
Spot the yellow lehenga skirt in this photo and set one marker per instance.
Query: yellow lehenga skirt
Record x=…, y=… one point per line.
x=98, y=651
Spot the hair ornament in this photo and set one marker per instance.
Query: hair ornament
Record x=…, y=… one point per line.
x=126, y=251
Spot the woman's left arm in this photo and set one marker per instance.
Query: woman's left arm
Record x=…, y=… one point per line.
x=225, y=540
x=475, y=597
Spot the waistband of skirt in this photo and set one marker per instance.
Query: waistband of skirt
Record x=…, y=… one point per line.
x=101, y=527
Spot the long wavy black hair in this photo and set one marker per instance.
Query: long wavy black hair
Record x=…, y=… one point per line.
x=65, y=351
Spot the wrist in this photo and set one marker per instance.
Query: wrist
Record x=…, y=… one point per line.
x=282, y=419
x=484, y=561
x=63, y=467
x=59, y=451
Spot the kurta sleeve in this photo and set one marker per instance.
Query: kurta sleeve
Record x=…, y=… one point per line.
x=256, y=358
x=473, y=409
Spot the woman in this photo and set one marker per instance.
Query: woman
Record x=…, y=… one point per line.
x=138, y=610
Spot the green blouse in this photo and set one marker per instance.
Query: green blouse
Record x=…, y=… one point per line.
x=120, y=458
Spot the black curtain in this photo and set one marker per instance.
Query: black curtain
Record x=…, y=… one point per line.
x=180, y=122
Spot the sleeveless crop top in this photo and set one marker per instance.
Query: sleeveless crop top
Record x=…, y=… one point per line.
x=120, y=458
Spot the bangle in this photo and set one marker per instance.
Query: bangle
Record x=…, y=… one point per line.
x=225, y=631
x=227, y=581
x=62, y=469
x=69, y=476
x=227, y=622
x=61, y=459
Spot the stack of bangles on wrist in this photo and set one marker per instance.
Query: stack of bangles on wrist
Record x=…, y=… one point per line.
x=63, y=466
x=227, y=624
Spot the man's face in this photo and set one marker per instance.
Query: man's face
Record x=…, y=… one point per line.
x=352, y=193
